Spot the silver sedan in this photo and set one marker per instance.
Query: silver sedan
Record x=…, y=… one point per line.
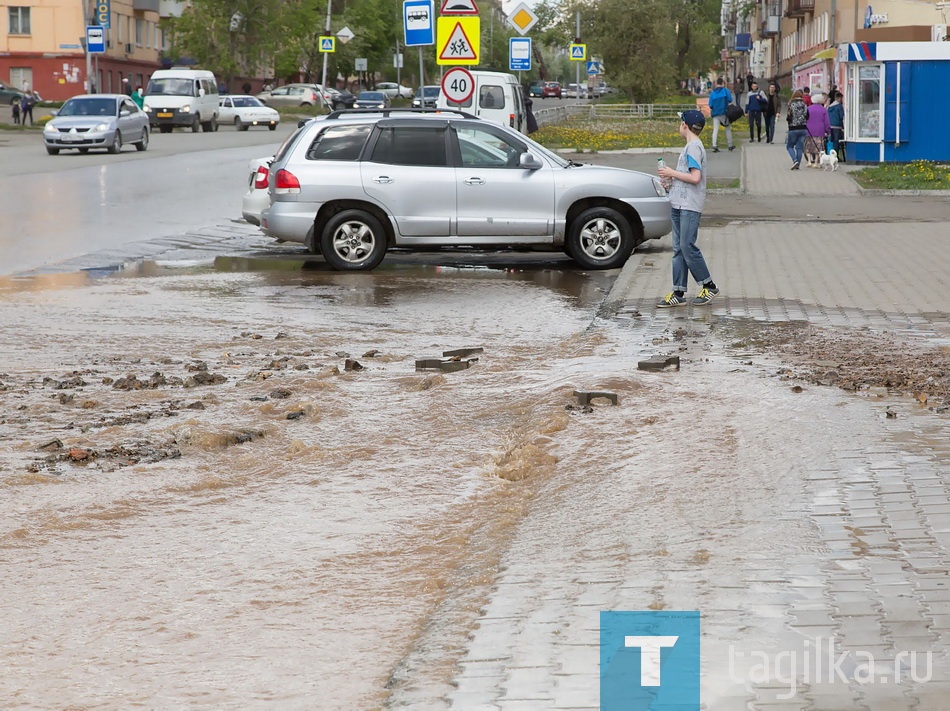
x=97, y=121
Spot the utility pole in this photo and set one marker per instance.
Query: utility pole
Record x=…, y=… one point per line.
x=577, y=65
x=326, y=54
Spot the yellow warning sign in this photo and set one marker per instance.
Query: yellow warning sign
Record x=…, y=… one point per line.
x=458, y=40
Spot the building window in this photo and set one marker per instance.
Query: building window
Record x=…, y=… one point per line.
x=869, y=102
x=139, y=32
x=19, y=20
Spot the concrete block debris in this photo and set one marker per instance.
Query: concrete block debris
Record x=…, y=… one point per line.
x=584, y=397
x=659, y=363
x=445, y=365
x=462, y=352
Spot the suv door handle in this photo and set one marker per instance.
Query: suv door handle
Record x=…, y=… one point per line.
x=382, y=179
x=474, y=181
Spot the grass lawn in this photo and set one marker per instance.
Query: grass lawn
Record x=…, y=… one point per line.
x=919, y=175
x=618, y=134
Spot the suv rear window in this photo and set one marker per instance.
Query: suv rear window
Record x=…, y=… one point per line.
x=410, y=145
x=339, y=143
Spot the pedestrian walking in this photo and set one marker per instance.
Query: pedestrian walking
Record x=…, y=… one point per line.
x=531, y=121
x=755, y=105
x=687, y=199
x=806, y=96
x=719, y=99
x=836, y=121
x=773, y=108
x=797, y=118
x=26, y=108
x=16, y=111
x=818, y=128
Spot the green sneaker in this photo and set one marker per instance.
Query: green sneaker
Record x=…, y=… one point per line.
x=671, y=300
x=705, y=296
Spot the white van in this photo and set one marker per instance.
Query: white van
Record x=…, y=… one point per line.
x=182, y=97
x=497, y=97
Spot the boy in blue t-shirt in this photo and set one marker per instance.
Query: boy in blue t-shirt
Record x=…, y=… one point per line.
x=687, y=199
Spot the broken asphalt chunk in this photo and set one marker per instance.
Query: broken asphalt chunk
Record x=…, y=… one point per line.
x=584, y=397
x=659, y=363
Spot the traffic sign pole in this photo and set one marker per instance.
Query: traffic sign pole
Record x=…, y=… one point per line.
x=326, y=54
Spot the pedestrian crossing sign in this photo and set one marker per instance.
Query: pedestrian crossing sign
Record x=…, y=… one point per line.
x=578, y=52
x=328, y=44
x=459, y=39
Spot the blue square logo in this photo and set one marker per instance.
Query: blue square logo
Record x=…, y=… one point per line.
x=649, y=661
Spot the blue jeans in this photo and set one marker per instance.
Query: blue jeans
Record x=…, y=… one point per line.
x=687, y=259
x=795, y=144
x=770, y=128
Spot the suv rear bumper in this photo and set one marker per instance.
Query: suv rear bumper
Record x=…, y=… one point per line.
x=171, y=117
x=289, y=221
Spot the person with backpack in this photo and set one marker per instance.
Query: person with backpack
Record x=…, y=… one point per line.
x=719, y=99
x=756, y=104
x=836, y=120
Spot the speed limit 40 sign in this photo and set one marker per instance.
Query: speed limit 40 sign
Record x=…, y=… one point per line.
x=458, y=85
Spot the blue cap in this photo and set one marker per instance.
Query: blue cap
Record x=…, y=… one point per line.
x=694, y=119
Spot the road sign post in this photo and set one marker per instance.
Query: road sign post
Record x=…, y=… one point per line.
x=458, y=85
x=459, y=40
x=418, y=27
x=519, y=54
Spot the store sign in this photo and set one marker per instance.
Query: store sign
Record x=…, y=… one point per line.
x=871, y=19
x=103, y=13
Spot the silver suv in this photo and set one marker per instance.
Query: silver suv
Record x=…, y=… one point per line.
x=355, y=183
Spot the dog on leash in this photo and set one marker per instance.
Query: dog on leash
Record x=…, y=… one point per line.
x=829, y=161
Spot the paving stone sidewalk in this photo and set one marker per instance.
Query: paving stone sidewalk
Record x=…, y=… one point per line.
x=787, y=520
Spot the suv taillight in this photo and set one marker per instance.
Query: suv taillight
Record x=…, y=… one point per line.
x=260, y=180
x=286, y=182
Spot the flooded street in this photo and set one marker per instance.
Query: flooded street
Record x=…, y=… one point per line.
x=227, y=571
x=225, y=484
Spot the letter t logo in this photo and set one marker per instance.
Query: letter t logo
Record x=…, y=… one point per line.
x=649, y=656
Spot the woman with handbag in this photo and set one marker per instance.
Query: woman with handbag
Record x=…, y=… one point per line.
x=797, y=117
x=819, y=128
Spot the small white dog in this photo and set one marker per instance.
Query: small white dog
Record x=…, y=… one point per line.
x=829, y=161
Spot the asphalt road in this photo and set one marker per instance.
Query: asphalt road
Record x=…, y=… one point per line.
x=59, y=207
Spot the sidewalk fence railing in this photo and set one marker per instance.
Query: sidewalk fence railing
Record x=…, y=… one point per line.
x=556, y=114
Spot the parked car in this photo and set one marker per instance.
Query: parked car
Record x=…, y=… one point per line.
x=426, y=97
x=97, y=121
x=536, y=88
x=245, y=111
x=9, y=95
x=576, y=91
x=372, y=100
x=393, y=90
x=341, y=99
x=257, y=198
x=293, y=95
x=551, y=90
x=355, y=184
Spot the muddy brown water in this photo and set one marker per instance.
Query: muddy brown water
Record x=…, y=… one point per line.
x=151, y=557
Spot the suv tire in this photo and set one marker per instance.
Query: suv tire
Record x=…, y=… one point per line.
x=353, y=240
x=600, y=238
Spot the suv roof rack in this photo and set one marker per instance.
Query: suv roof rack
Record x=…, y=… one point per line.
x=337, y=113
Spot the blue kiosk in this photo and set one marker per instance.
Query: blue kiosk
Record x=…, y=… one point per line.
x=894, y=94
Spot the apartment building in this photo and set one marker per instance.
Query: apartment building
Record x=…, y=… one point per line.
x=795, y=41
x=42, y=45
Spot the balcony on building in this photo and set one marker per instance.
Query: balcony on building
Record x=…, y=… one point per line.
x=145, y=5
x=799, y=8
x=771, y=20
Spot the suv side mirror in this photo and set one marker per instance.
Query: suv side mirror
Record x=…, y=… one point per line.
x=529, y=161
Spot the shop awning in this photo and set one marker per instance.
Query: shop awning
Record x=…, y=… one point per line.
x=829, y=53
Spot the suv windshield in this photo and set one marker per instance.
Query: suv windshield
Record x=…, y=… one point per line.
x=171, y=87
